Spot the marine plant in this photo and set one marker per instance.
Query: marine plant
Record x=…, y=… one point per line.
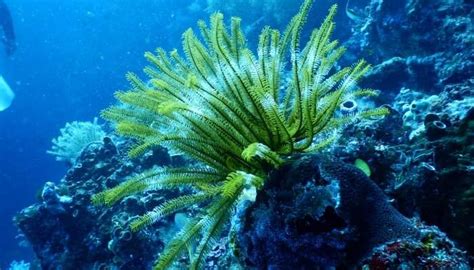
x=233, y=112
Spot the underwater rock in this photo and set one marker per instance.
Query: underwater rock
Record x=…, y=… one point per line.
x=52, y=201
x=321, y=213
x=66, y=230
x=430, y=177
x=364, y=205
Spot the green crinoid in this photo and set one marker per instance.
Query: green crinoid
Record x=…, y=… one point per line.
x=231, y=111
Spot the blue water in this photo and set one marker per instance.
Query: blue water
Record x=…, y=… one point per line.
x=71, y=57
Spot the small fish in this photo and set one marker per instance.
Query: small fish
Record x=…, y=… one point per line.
x=363, y=166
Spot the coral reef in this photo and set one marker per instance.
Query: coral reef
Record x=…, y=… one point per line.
x=432, y=250
x=426, y=27
x=422, y=155
x=431, y=177
x=418, y=108
x=295, y=211
x=442, y=197
x=74, y=137
x=225, y=107
x=286, y=210
x=337, y=216
x=312, y=205
x=414, y=106
x=66, y=231
x=434, y=56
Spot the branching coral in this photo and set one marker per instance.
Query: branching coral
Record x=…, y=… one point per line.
x=229, y=109
x=74, y=137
